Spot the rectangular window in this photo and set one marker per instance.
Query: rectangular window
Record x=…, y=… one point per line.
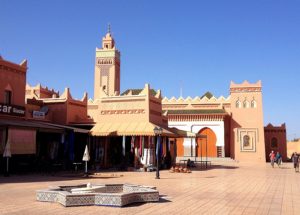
x=7, y=97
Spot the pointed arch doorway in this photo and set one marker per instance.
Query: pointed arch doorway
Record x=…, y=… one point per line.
x=206, y=147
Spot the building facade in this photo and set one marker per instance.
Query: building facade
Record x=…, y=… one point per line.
x=36, y=123
x=275, y=138
x=120, y=126
x=123, y=133
x=233, y=125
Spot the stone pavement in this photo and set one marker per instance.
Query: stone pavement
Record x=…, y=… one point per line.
x=230, y=188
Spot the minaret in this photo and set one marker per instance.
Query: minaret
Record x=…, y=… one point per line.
x=107, y=68
x=247, y=122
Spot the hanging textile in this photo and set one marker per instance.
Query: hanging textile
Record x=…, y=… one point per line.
x=137, y=153
x=132, y=144
x=62, y=138
x=164, y=146
x=140, y=147
x=153, y=142
x=149, y=142
x=123, y=145
x=143, y=146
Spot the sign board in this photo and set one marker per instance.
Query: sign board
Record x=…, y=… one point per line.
x=12, y=110
x=38, y=114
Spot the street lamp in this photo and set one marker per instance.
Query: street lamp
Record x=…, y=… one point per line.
x=157, y=131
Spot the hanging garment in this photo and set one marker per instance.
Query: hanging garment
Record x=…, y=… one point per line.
x=137, y=153
x=164, y=147
x=132, y=144
x=149, y=142
x=140, y=146
x=143, y=146
x=123, y=146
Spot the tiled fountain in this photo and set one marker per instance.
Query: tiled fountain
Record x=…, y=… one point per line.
x=103, y=194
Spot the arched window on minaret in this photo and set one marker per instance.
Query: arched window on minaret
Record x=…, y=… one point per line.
x=253, y=104
x=246, y=104
x=238, y=104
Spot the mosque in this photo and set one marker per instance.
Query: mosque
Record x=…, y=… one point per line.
x=40, y=124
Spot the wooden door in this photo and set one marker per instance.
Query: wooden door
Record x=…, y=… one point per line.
x=207, y=147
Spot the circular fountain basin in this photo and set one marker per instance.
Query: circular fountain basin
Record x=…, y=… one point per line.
x=99, y=194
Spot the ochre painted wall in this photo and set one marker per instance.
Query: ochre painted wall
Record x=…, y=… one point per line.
x=278, y=134
x=13, y=78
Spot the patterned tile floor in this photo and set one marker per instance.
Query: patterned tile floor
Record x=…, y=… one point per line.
x=224, y=189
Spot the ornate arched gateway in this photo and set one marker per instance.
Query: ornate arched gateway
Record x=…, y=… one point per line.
x=206, y=146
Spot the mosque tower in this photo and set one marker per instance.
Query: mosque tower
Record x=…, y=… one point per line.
x=247, y=123
x=107, y=68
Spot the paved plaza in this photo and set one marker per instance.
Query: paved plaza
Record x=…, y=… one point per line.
x=229, y=188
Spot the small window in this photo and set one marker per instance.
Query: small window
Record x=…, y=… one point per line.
x=106, y=46
x=253, y=104
x=246, y=104
x=246, y=141
x=7, y=97
x=238, y=104
x=274, y=142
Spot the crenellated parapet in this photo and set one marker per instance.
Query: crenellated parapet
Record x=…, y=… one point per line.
x=245, y=87
x=196, y=100
x=47, y=95
x=272, y=127
x=39, y=92
x=67, y=97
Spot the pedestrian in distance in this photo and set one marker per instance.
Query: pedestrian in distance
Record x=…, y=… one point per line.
x=278, y=159
x=272, y=158
x=295, y=159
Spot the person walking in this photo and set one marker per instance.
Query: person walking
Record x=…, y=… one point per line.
x=278, y=159
x=272, y=158
x=295, y=159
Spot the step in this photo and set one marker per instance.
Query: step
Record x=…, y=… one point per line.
x=212, y=159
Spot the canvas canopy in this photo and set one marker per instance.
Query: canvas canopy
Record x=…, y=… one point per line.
x=128, y=129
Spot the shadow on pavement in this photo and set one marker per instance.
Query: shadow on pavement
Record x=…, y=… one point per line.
x=213, y=166
x=59, y=176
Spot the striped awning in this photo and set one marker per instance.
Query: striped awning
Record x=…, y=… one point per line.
x=128, y=129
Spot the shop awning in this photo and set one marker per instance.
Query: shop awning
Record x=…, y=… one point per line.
x=128, y=129
x=42, y=126
x=182, y=133
x=31, y=124
x=76, y=130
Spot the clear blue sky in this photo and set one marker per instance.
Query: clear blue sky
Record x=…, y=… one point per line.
x=201, y=45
